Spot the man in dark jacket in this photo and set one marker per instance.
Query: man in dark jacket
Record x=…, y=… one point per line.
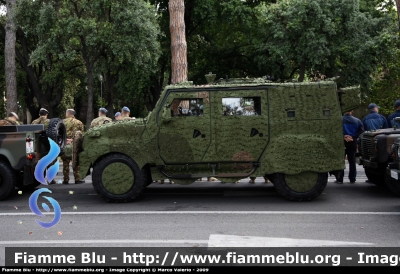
x=391, y=121
x=352, y=128
x=374, y=120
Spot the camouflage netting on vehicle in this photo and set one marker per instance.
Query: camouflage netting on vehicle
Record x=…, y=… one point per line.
x=351, y=100
x=119, y=136
x=287, y=128
x=306, y=129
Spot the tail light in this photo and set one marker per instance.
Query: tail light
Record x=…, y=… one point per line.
x=30, y=156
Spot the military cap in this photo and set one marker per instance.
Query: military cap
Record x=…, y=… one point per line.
x=397, y=104
x=126, y=109
x=117, y=114
x=103, y=110
x=372, y=106
x=43, y=109
x=15, y=115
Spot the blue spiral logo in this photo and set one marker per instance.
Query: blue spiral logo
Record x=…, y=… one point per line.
x=51, y=172
x=34, y=207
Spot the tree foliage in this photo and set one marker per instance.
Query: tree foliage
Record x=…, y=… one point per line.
x=314, y=38
x=64, y=45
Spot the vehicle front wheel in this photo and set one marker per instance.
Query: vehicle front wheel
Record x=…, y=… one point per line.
x=7, y=180
x=300, y=187
x=376, y=176
x=117, y=178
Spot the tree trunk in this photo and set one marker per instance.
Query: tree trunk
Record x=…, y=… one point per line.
x=302, y=71
x=179, y=66
x=9, y=52
x=109, y=85
x=398, y=11
x=89, y=113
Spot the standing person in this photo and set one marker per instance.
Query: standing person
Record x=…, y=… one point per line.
x=391, y=121
x=352, y=128
x=43, y=114
x=102, y=119
x=374, y=120
x=43, y=120
x=125, y=113
x=72, y=125
x=11, y=120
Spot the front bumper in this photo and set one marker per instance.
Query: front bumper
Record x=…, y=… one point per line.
x=393, y=173
x=365, y=162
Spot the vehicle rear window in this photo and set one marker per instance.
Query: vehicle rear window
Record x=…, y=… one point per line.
x=241, y=106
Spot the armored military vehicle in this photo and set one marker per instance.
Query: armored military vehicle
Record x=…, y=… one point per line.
x=392, y=178
x=21, y=147
x=231, y=129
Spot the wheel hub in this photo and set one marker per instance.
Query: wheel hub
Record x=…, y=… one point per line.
x=302, y=182
x=118, y=178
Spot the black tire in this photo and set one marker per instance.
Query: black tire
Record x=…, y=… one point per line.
x=393, y=185
x=376, y=176
x=8, y=180
x=57, y=132
x=278, y=179
x=139, y=183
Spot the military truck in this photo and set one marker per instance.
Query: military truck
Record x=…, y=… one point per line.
x=21, y=147
x=230, y=129
x=375, y=153
x=393, y=169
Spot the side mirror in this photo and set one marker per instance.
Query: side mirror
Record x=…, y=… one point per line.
x=350, y=98
x=166, y=114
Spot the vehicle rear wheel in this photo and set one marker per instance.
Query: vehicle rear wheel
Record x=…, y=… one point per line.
x=393, y=184
x=300, y=187
x=117, y=178
x=376, y=176
x=7, y=180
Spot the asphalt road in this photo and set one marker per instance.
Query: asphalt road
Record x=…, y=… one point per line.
x=208, y=214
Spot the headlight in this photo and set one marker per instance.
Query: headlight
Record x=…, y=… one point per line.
x=398, y=152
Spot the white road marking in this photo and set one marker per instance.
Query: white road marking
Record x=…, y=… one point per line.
x=104, y=242
x=248, y=241
x=208, y=212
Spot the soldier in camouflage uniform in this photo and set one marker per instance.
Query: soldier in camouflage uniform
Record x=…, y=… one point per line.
x=43, y=113
x=125, y=114
x=43, y=120
x=102, y=119
x=11, y=120
x=72, y=125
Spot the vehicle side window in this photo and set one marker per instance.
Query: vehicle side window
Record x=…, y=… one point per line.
x=187, y=107
x=244, y=106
